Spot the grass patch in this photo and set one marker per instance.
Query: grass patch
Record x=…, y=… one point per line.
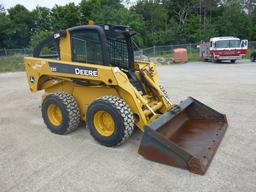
x=194, y=57
x=248, y=55
x=11, y=63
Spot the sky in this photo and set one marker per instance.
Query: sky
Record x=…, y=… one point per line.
x=31, y=4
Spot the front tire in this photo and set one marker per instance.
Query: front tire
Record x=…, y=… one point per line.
x=110, y=120
x=233, y=61
x=61, y=113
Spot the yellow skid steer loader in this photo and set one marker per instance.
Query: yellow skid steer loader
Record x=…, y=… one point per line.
x=89, y=74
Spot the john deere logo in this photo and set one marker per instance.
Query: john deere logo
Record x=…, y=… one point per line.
x=72, y=69
x=86, y=72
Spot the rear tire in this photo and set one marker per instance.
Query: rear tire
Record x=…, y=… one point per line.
x=233, y=61
x=61, y=113
x=110, y=120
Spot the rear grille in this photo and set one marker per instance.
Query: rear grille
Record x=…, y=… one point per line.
x=118, y=52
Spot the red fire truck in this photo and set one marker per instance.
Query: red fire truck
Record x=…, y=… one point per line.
x=223, y=48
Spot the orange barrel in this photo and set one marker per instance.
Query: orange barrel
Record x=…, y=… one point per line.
x=180, y=55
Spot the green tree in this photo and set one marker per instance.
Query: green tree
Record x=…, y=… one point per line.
x=38, y=37
x=66, y=16
x=101, y=11
x=233, y=21
x=196, y=31
x=253, y=25
x=182, y=9
x=113, y=12
x=133, y=20
x=41, y=19
x=156, y=20
x=6, y=28
x=22, y=24
x=2, y=10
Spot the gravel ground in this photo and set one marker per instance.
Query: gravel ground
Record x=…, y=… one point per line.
x=33, y=159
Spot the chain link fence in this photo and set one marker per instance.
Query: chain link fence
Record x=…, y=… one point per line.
x=168, y=49
x=10, y=52
x=193, y=48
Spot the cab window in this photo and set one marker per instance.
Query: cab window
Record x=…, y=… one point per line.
x=86, y=47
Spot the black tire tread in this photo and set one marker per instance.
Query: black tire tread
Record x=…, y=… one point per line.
x=73, y=110
x=125, y=112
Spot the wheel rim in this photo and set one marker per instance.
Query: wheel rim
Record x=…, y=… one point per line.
x=104, y=123
x=54, y=114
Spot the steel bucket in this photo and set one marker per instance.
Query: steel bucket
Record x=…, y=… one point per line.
x=186, y=137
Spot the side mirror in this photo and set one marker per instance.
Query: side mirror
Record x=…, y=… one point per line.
x=244, y=44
